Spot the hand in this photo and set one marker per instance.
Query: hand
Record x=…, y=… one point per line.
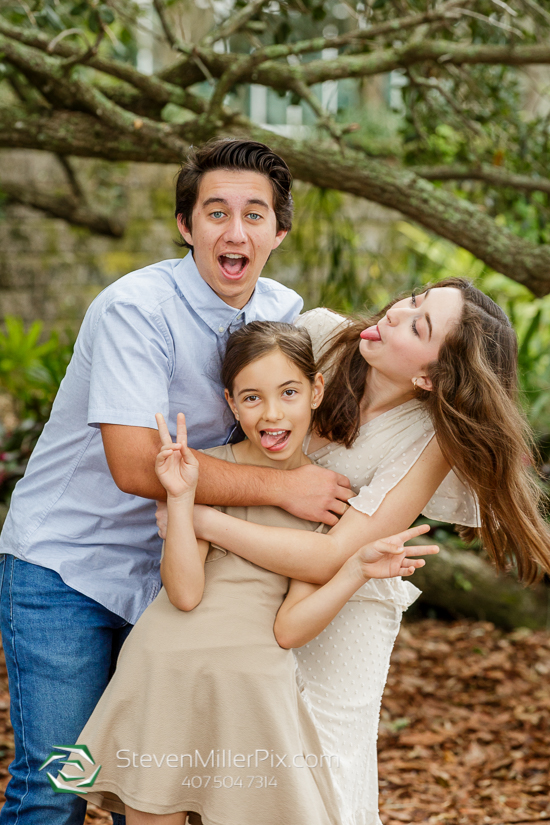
x=176, y=466
x=386, y=558
x=315, y=494
x=161, y=515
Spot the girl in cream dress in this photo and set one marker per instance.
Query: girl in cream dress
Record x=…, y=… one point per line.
x=448, y=349
x=203, y=715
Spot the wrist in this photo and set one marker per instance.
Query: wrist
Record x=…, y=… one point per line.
x=355, y=570
x=281, y=492
x=184, y=501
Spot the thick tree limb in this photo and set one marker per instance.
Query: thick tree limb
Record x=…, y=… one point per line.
x=441, y=51
x=47, y=74
x=155, y=89
x=457, y=220
x=71, y=209
x=494, y=175
x=280, y=75
x=465, y=584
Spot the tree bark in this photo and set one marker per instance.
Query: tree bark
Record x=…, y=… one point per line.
x=69, y=208
x=464, y=584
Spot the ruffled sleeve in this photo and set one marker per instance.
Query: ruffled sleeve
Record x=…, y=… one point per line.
x=322, y=324
x=402, y=437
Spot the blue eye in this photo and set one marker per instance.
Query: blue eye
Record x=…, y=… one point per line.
x=217, y=214
x=254, y=215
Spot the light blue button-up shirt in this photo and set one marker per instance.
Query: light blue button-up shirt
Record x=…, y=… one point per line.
x=151, y=342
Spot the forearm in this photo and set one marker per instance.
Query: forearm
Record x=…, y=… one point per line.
x=237, y=485
x=301, y=622
x=182, y=567
x=298, y=554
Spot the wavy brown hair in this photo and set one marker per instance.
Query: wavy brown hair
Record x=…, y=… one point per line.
x=478, y=423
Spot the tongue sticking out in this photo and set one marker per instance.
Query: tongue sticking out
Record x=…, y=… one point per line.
x=232, y=266
x=371, y=334
x=271, y=440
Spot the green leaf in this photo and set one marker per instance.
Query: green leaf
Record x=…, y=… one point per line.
x=106, y=14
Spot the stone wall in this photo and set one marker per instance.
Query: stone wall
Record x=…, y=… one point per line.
x=52, y=271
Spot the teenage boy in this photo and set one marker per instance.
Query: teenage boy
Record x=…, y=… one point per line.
x=81, y=554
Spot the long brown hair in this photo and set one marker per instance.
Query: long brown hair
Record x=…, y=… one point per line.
x=479, y=426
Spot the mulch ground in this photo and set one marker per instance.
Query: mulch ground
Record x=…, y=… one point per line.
x=465, y=729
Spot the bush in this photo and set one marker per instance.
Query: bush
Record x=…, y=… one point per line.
x=30, y=373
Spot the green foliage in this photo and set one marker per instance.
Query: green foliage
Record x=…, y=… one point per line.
x=30, y=374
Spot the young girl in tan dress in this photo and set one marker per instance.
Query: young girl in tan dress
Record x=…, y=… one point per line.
x=203, y=715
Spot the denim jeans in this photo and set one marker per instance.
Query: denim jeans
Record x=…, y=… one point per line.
x=61, y=648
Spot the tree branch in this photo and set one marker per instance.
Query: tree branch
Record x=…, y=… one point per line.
x=493, y=175
x=153, y=87
x=69, y=208
x=72, y=178
x=234, y=23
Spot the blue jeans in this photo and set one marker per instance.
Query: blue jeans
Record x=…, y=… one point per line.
x=61, y=648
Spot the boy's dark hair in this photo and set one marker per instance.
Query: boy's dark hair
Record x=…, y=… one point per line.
x=230, y=153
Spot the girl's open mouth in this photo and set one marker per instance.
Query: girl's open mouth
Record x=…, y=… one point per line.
x=233, y=265
x=274, y=440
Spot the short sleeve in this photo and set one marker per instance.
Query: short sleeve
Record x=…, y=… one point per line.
x=322, y=324
x=131, y=365
x=393, y=463
x=452, y=502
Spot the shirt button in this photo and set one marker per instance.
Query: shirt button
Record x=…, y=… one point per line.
x=221, y=329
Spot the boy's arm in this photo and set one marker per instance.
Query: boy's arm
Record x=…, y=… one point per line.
x=316, y=557
x=309, y=492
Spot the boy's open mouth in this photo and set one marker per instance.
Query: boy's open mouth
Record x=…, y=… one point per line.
x=233, y=265
x=274, y=440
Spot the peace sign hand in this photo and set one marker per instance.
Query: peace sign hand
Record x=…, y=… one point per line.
x=176, y=466
x=386, y=558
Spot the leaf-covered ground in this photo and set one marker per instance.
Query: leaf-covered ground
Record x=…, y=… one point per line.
x=465, y=731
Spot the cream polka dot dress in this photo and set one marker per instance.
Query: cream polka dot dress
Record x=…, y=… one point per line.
x=342, y=673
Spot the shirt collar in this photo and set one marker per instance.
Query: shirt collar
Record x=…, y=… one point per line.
x=218, y=315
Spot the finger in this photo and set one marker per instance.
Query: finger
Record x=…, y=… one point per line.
x=421, y=550
x=343, y=481
x=406, y=571
x=411, y=533
x=387, y=546
x=330, y=519
x=182, y=430
x=340, y=508
x=164, y=433
x=416, y=563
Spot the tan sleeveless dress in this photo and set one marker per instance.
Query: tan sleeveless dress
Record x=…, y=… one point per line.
x=203, y=713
